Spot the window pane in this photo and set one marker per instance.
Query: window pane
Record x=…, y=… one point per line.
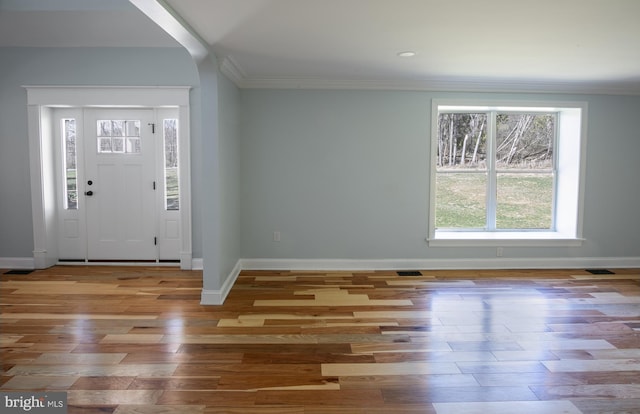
x=462, y=141
x=524, y=201
x=172, y=191
x=70, y=160
x=173, y=195
x=525, y=141
x=461, y=200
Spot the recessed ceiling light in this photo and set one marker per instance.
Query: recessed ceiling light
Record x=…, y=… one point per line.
x=407, y=53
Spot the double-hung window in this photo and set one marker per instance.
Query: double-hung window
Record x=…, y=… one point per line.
x=503, y=171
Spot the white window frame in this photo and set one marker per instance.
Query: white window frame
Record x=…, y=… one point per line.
x=569, y=191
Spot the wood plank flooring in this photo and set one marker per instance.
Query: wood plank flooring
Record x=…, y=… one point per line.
x=136, y=340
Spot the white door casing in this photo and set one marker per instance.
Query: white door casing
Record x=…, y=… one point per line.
x=53, y=224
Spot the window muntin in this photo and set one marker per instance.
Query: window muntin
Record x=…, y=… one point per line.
x=70, y=160
x=495, y=170
x=118, y=136
x=171, y=179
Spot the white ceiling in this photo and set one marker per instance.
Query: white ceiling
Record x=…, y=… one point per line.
x=568, y=45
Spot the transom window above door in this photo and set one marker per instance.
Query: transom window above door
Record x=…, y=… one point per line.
x=118, y=136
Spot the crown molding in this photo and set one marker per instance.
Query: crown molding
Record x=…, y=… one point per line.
x=440, y=85
x=234, y=72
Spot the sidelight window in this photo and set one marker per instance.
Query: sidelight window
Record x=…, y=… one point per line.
x=171, y=181
x=70, y=160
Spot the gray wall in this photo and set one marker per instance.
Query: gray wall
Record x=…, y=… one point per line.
x=341, y=174
x=68, y=66
x=344, y=175
x=229, y=156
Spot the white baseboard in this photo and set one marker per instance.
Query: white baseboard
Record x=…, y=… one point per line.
x=197, y=264
x=217, y=297
x=186, y=261
x=17, y=263
x=440, y=264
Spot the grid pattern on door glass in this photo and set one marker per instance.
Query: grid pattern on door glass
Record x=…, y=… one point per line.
x=119, y=136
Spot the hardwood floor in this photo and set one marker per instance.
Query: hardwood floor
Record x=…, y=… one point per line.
x=136, y=340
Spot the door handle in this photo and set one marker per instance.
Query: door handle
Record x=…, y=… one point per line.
x=88, y=193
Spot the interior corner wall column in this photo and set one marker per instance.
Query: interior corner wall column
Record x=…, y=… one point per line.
x=211, y=224
x=171, y=22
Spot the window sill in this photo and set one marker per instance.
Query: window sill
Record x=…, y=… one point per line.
x=479, y=238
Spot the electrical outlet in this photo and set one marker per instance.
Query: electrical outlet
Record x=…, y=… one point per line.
x=276, y=236
x=499, y=251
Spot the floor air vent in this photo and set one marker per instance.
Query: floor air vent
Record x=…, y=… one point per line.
x=409, y=273
x=18, y=272
x=600, y=272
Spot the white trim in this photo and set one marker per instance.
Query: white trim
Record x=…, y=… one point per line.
x=440, y=264
x=434, y=85
x=197, y=263
x=43, y=205
x=510, y=239
x=184, y=168
x=171, y=22
x=132, y=264
x=217, y=297
x=186, y=262
x=232, y=70
x=107, y=96
x=17, y=263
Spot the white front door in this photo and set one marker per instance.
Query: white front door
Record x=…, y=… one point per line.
x=119, y=184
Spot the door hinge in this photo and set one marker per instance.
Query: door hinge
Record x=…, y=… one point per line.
x=155, y=241
x=153, y=127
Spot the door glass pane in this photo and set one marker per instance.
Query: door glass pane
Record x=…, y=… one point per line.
x=171, y=182
x=524, y=201
x=133, y=145
x=117, y=128
x=70, y=164
x=117, y=144
x=104, y=145
x=119, y=137
x=461, y=200
x=104, y=128
x=133, y=128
